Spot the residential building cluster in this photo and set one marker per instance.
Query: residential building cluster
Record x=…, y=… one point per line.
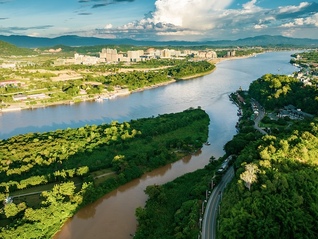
x=108, y=55
x=293, y=113
x=308, y=72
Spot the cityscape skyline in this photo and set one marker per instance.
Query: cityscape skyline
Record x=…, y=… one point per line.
x=160, y=20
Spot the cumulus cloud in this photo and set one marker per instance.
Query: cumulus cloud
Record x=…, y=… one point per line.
x=179, y=18
x=251, y=7
x=289, y=9
x=195, y=19
x=204, y=17
x=308, y=21
x=188, y=13
x=259, y=26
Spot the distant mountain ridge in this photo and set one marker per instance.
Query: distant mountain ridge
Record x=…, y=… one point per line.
x=72, y=40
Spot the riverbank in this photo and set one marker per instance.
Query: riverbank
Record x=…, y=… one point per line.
x=18, y=106
x=21, y=105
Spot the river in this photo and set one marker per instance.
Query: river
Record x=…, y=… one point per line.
x=112, y=217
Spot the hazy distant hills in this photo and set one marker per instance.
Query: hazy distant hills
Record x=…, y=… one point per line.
x=71, y=40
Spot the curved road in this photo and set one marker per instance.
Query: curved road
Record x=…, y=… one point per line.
x=259, y=117
x=212, y=207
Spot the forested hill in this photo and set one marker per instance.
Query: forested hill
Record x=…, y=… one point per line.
x=275, y=192
x=7, y=49
x=72, y=40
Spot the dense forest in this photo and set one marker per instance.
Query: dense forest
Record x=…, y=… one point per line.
x=66, y=162
x=276, y=91
x=275, y=190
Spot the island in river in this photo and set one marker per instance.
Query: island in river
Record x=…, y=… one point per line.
x=47, y=177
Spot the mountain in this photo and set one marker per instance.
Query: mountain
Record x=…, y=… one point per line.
x=72, y=40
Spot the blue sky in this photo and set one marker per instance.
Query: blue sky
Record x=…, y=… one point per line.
x=191, y=20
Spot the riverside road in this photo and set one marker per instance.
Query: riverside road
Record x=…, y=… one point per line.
x=209, y=223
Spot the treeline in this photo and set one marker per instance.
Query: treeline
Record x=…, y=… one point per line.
x=277, y=91
x=306, y=57
x=274, y=194
x=241, y=52
x=66, y=159
x=139, y=79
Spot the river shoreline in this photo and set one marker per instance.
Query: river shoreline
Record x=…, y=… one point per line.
x=24, y=106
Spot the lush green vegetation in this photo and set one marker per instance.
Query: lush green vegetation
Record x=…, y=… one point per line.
x=7, y=49
x=68, y=160
x=308, y=62
x=308, y=57
x=282, y=199
x=92, y=80
x=276, y=91
x=173, y=209
x=275, y=190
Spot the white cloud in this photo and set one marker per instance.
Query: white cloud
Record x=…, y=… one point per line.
x=291, y=9
x=288, y=33
x=250, y=6
x=181, y=33
x=188, y=13
x=108, y=26
x=312, y=20
x=298, y=22
x=260, y=26
x=212, y=19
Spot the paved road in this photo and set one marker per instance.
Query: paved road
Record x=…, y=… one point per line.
x=259, y=117
x=209, y=223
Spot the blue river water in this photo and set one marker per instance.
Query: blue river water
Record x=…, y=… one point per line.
x=210, y=92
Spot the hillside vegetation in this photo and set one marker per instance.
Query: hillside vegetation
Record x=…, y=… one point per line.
x=7, y=49
x=274, y=194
